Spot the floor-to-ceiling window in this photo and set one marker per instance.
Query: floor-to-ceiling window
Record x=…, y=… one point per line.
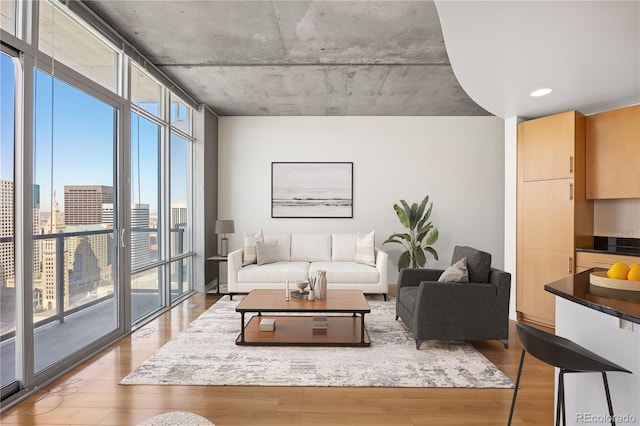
x=103, y=156
x=146, y=216
x=181, y=141
x=74, y=262
x=7, y=256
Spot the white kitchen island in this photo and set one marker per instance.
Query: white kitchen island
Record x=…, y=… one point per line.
x=606, y=322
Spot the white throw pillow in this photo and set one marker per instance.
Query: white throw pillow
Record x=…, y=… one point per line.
x=250, y=252
x=365, y=248
x=267, y=252
x=343, y=247
x=456, y=273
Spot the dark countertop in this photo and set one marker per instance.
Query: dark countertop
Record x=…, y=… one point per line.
x=614, y=245
x=625, y=251
x=619, y=303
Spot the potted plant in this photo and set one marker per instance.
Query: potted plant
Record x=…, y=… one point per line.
x=421, y=236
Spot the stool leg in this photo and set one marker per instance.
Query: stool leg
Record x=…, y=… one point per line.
x=515, y=391
x=560, y=399
x=606, y=392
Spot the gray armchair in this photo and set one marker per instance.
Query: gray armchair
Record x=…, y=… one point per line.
x=474, y=310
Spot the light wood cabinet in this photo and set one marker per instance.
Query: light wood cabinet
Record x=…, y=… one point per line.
x=548, y=147
x=553, y=215
x=588, y=260
x=542, y=267
x=613, y=154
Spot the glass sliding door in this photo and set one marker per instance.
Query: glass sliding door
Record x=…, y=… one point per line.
x=180, y=220
x=7, y=254
x=146, y=216
x=74, y=259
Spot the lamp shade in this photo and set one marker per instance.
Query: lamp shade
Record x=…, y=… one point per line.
x=225, y=227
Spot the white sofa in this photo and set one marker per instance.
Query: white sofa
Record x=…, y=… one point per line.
x=301, y=255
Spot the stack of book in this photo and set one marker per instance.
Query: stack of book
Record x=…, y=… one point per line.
x=267, y=324
x=319, y=323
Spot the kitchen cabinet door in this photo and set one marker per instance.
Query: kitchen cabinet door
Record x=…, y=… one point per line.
x=541, y=267
x=613, y=154
x=548, y=215
x=548, y=146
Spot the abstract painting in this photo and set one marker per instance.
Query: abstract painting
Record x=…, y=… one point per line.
x=318, y=190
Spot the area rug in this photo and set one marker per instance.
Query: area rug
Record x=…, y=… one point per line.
x=205, y=353
x=177, y=418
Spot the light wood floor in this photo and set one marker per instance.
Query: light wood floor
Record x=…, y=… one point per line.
x=90, y=394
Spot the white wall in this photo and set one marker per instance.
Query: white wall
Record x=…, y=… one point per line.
x=510, y=204
x=458, y=161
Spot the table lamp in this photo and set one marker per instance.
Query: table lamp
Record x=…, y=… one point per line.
x=224, y=227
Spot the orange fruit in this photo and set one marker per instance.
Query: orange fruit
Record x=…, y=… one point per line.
x=619, y=271
x=634, y=264
x=634, y=273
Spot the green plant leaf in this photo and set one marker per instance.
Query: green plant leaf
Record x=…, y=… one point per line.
x=403, y=236
x=425, y=217
x=414, y=218
x=420, y=258
x=403, y=260
x=407, y=210
x=433, y=252
x=420, y=212
x=423, y=234
x=402, y=215
x=433, y=237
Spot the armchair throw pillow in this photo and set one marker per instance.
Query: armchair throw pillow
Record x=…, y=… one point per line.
x=478, y=263
x=267, y=252
x=456, y=273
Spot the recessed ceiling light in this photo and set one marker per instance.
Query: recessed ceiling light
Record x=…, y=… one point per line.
x=540, y=92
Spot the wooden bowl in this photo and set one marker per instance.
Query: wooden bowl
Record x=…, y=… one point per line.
x=600, y=279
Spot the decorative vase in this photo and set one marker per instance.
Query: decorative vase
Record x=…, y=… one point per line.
x=312, y=295
x=321, y=285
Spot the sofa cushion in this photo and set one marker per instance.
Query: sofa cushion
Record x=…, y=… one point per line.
x=365, y=248
x=277, y=272
x=456, y=273
x=346, y=272
x=343, y=247
x=250, y=254
x=284, y=245
x=478, y=263
x=267, y=252
x=311, y=247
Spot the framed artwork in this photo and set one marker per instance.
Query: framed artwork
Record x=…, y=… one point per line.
x=318, y=190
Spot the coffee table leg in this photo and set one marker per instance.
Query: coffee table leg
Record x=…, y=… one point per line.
x=242, y=327
x=362, y=329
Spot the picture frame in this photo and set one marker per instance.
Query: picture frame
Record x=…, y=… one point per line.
x=312, y=189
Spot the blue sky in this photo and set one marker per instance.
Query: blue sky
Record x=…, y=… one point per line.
x=75, y=143
x=7, y=82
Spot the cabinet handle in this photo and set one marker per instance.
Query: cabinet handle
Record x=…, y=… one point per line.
x=570, y=265
x=571, y=191
x=603, y=262
x=571, y=164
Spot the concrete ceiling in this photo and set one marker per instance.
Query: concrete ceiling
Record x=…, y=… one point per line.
x=388, y=57
x=298, y=57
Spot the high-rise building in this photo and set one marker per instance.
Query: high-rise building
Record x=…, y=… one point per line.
x=83, y=203
x=50, y=267
x=179, y=221
x=7, y=267
x=140, y=253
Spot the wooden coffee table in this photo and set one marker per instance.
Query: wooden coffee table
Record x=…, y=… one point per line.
x=296, y=330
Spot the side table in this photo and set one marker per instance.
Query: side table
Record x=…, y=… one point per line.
x=217, y=258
